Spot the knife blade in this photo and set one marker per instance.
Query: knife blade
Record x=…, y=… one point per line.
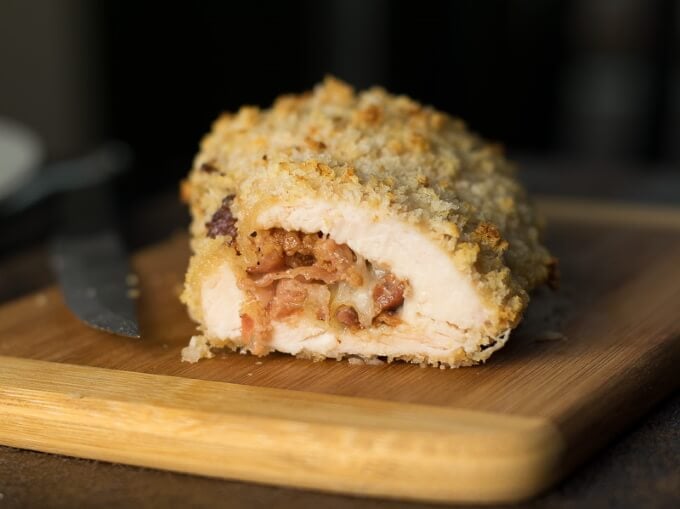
x=88, y=257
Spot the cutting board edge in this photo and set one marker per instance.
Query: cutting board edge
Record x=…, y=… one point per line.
x=362, y=447
x=586, y=210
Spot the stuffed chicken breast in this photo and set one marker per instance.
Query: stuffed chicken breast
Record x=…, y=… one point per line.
x=338, y=224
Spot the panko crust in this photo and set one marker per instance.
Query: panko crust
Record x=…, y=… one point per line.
x=386, y=152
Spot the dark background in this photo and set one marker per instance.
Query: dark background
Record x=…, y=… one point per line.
x=593, y=83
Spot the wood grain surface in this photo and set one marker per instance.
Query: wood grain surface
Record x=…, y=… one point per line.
x=588, y=359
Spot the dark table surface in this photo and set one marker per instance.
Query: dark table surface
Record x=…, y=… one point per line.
x=639, y=469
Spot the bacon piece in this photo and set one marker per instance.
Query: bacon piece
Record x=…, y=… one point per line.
x=269, y=255
x=222, y=221
x=312, y=273
x=388, y=294
x=326, y=260
x=264, y=295
x=289, y=298
x=256, y=327
x=347, y=316
x=247, y=328
x=333, y=256
x=292, y=296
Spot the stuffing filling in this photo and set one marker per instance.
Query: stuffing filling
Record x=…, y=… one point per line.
x=289, y=273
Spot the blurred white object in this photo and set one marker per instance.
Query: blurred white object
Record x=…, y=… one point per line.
x=95, y=167
x=21, y=154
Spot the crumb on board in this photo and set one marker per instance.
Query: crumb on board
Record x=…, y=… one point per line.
x=132, y=279
x=198, y=349
x=41, y=300
x=133, y=293
x=259, y=363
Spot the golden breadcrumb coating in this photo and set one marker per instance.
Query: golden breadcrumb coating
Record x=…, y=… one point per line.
x=386, y=152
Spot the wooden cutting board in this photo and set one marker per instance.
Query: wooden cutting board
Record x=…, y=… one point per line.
x=588, y=360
